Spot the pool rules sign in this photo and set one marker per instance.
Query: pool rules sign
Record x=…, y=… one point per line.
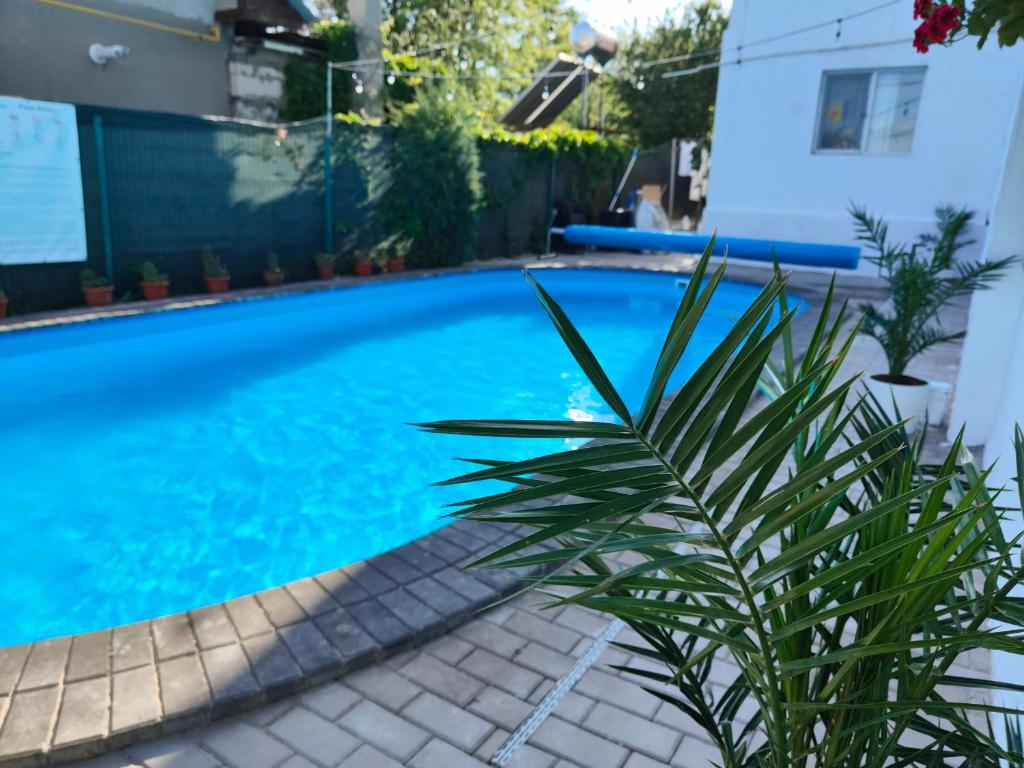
x=42, y=213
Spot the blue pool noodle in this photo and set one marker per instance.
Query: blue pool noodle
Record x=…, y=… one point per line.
x=800, y=254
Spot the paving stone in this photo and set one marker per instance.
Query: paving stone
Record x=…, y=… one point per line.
x=623, y=693
x=343, y=632
x=27, y=725
x=395, y=568
x=281, y=608
x=525, y=756
x=425, y=562
x=239, y=743
x=500, y=672
x=311, y=735
x=331, y=700
x=248, y=616
x=268, y=713
x=369, y=578
x=172, y=636
x=544, y=660
x=455, y=535
x=368, y=757
x=183, y=688
x=573, y=743
x=173, y=752
x=342, y=587
x=383, y=686
x=46, y=663
x=90, y=656
x=271, y=661
x=314, y=599
x=134, y=700
x=381, y=623
x=470, y=588
x=438, y=754
x=636, y=760
x=694, y=753
x=500, y=708
x=635, y=732
x=84, y=712
x=298, y=761
x=384, y=730
x=436, y=595
x=444, y=550
x=483, y=634
x=131, y=646
x=309, y=647
x=414, y=612
x=227, y=669
x=449, y=649
x=213, y=627
x=12, y=661
x=442, y=679
x=535, y=628
x=448, y=721
x=582, y=620
x=110, y=760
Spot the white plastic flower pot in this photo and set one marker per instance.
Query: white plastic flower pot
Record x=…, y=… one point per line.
x=910, y=398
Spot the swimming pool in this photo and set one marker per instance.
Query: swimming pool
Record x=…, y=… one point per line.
x=159, y=463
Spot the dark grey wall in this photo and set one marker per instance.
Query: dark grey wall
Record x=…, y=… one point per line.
x=44, y=55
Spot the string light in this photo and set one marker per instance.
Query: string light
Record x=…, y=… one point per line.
x=640, y=84
x=391, y=78
x=359, y=86
x=450, y=96
x=545, y=93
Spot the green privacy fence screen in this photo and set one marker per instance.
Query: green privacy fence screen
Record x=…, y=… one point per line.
x=176, y=183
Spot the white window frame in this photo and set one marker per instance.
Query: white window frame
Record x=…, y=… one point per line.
x=868, y=109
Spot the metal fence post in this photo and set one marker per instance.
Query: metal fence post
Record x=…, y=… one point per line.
x=101, y=173
x=328, y=170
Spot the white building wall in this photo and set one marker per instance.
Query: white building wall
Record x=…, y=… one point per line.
x=767, y=182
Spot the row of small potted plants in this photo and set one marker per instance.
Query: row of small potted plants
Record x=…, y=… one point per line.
x=99, y=292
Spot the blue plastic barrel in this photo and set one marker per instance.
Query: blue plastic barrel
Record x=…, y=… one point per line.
x=787, y=252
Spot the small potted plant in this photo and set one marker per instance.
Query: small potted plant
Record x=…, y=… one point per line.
x=273, y=274
x=922, y=278
x=215, y=273
x=362, y=263
x=325, y=264
x=396, y=251
x=97, y=289
x=154, y=284
x=3, y=303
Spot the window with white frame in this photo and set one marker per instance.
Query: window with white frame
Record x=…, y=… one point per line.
x=871, y=111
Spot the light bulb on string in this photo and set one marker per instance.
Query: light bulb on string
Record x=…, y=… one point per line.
x=359, y=86
x=640, y=84
x=450, y=96
x=545, y=93
x=463, y=64
x=391, y=78
x=355, y=77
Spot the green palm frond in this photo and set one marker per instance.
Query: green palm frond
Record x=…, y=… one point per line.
x=765, y=517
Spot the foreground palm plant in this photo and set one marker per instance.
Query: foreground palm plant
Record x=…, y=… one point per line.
x=794, y=533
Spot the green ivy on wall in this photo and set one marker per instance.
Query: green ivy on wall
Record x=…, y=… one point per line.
x=305, y=79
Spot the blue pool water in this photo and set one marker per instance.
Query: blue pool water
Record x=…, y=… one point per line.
x=160, y=463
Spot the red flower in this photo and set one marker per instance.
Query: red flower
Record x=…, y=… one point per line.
x=946, y=17
x=921, y=37
x=922, y=9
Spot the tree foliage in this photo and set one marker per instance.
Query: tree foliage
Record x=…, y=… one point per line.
x=798, y=535
x=922, y=278
x=677, y=107
x=435, y=188
x=305, y=79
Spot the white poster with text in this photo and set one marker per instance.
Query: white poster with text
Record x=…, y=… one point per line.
x=42, y=212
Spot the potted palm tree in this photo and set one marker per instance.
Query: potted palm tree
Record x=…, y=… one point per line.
x=154, y=284
x=325, y=265
x=273, y=274
x=97, y=289
x=922, y=278
x=215, y=273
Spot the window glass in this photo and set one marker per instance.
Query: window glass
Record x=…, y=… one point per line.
x=894, y=110
x=843, y=110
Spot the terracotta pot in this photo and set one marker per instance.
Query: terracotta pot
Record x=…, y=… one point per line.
x=326, y=271
x=155, y=291
x=396, y=265
x=270, y=277
x=3, y=307
x=362, y=268
x=98, y=295
x=217, y=283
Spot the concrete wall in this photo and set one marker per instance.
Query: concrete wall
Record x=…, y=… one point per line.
x=767, y=182
x=44, y=55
